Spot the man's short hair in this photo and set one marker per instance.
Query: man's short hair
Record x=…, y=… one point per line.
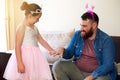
x=90, y=15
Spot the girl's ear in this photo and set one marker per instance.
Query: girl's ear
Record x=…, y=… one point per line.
x=29, y=15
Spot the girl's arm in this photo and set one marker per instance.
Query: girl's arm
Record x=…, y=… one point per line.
x=45, y=44
x=18, y=42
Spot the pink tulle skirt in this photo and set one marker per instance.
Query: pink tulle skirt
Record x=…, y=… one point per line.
x=36, y=66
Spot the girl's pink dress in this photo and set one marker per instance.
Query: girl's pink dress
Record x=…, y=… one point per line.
x=36, y=65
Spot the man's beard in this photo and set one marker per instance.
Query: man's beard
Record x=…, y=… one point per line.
x=87, y=34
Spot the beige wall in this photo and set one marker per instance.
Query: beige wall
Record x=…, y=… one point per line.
x=60, y=15
x=65, y=14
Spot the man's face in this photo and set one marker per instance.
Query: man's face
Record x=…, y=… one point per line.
x=86, y=28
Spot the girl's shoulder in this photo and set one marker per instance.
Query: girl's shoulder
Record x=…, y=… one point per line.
x=20, y=28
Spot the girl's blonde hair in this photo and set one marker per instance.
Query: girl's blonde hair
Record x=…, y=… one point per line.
x=32, y=8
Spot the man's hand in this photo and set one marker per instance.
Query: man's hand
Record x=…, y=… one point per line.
x=60, y=51
x=89, y=78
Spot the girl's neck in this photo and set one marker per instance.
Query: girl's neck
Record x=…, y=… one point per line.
x=28, y=24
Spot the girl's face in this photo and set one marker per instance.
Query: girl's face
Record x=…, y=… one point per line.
x=35, y=19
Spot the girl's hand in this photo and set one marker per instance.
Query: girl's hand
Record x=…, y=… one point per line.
x=60, y=51
x=53, y=52
x=21, y=68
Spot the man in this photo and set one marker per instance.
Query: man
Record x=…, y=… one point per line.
x=93, y=52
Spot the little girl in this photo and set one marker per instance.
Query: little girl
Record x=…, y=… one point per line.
x=28, y=63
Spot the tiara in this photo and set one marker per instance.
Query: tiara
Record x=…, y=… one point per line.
x=36, y=11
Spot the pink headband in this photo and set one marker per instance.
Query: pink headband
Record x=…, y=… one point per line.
x=90, y=10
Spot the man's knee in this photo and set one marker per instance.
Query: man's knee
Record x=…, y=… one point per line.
x=57, y=71
x=56, y=66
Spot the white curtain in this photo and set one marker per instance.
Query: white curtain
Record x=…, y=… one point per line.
x=13, y=18
x=3, y=46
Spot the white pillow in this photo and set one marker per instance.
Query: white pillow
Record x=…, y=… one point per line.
x=55, y=39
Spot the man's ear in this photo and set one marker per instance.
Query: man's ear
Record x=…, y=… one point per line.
x=94, y=25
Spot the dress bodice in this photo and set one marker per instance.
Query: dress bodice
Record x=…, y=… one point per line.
x=30, y=36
